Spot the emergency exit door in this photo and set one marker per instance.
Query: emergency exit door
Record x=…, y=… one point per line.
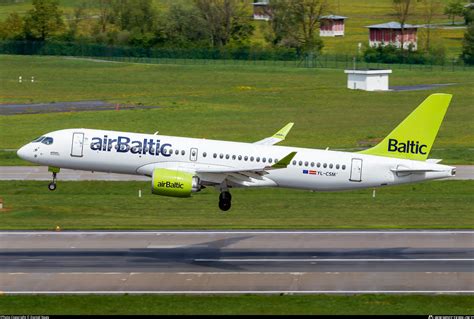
x=356, y=170
x=77, y=144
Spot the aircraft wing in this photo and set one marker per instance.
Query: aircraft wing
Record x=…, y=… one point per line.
x=216, y=175
x=277, y=137
x=238, y=177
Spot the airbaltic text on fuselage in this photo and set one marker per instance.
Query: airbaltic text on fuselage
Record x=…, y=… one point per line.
x=123, y=144
x=408, y=147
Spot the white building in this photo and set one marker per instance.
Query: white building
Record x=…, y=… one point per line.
x=368, y=80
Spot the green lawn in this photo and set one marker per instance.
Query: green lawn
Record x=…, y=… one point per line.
x=233, y=305
x=239, y=103
x=115, y=205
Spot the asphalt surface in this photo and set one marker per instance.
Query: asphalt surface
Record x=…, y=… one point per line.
x=237, y=262
x=40, y=173
x=38, y=108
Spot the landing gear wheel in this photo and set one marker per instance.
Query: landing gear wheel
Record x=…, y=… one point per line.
x=52, y=186
x=225, y=201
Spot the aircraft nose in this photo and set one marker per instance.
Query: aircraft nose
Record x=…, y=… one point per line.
x=23, y=152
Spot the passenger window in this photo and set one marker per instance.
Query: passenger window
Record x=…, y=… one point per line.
x=227, y=156
x=203, y=154
x=176, y=152
x=325, y=165
x=47, y=140
x=240, y=157
x=270, y=160
x=330, y=165
x=294, y=162
x=337, y=166
x=258, y=159
x=305, y=163
x=300, y=163
x=319, y=165
x=215, y=155
x=312, y=164
x=233, y=157
x=246, y=158
x=183, y=152
x=264, y=160
x=343, y=166
x=221, y=156
x=251, y=158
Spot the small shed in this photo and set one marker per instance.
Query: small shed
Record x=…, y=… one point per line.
x=368, y=80
x=331, y=26
x=261, y=10
x=391, y=34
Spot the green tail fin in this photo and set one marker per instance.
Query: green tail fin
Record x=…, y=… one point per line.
x=414, y=137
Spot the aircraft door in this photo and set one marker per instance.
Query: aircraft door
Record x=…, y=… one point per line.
x=193, y=154
x=356, y=170
x=77, y=144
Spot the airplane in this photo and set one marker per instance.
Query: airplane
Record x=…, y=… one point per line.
x=181, y=166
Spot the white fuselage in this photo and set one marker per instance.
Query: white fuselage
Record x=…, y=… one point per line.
x=320, y=170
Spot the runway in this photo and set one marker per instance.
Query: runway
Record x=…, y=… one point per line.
x=237, y=262
x=40, y=173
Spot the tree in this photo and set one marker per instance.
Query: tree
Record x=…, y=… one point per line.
x=225, y=20
x=44, y=20
x=105, y=11
x=183, y=27
x=295, y=24
x=468, y=46
x=12, y=27
x=403, y=9
x=454, y=9
x=429, y=9
x=134, y=14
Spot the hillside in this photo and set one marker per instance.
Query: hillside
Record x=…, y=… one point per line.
x=360, y=14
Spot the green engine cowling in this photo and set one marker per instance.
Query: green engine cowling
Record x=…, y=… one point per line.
x=175, y=183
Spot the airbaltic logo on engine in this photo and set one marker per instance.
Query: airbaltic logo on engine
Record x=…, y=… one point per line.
x=408, y=147
x=168, y=184
x=123, y=144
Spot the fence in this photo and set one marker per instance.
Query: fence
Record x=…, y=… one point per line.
x=205, y=56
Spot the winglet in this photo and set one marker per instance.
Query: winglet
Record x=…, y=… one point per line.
x=285, y=161
x=281, y=134
x=277, y=137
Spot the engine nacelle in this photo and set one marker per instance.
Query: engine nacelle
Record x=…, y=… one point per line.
x=174, y=183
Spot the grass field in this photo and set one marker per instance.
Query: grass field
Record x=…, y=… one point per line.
x=242, y=305
x=115, y=205
x=239, y=103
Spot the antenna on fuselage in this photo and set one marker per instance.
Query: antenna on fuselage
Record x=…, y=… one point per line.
x=156, y=133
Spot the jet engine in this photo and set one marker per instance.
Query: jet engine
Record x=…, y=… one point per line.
x=175, y=183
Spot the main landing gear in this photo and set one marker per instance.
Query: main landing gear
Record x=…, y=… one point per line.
x=225, y=201
x=55, y=171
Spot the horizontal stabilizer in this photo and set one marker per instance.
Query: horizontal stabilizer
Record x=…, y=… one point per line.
x=414, y=170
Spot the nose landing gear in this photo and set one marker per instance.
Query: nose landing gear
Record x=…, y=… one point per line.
x=55, y=171
x=225, y=201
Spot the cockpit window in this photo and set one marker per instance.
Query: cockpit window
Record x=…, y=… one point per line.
x=47, y=140
x=38, y=139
